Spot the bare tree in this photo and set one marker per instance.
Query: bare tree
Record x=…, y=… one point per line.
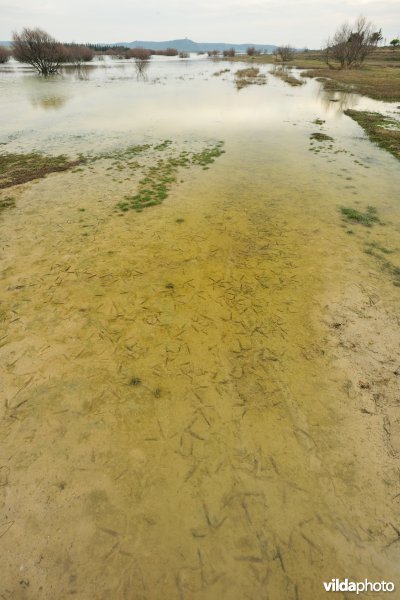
x=252, y=51
x=350, y=45
x=230, y=53
x=78, y=54
x=285, y=53
x=4, y=55
x=39, y=49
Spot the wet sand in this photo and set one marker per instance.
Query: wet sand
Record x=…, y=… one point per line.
x=183, y=412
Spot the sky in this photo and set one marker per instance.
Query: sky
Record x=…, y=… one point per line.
x=299, y=23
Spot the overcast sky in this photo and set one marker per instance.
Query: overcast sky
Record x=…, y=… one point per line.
x=300, y=23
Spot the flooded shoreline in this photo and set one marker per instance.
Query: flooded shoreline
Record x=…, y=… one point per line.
x=199, y=398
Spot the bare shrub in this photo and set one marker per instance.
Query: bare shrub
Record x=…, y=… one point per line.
x=4, y=55
x=39, y=49
x=350, y=45
x=229, y=53
x=285, y=53
x=78, y=53
x=252, y=51
x=139, y=53
x=212, y=53
x=183, y=54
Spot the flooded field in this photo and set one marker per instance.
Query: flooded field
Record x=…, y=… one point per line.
x=199, y=383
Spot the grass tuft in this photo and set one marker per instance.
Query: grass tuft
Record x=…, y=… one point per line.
x=367, y=218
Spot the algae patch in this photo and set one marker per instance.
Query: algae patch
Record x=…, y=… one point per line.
x=156, y=184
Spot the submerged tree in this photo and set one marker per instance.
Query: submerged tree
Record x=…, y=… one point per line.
x=142, y=57
x=350, y=46
x=39, y=49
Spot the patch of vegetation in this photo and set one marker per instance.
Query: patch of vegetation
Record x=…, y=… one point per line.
x=321, y=137
x=7, y=202
x=383, y=131
x=125, y=153
x=249, y=76
x=318, y=122
x=380, y=253
x=163, y=145
x=218, y=73
x=208, y=155
x=331, y=85
x=367, y=218
x=155, y=185
x=371, y=247
x=284, y=74
x=20, y=168
x=379, y=81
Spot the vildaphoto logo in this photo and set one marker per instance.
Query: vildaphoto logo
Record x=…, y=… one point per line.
x=344, y=585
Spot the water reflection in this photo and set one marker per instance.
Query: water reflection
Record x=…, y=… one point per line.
x=337, y=102
x=142, y=66
x=53, y=102
x=71, y=70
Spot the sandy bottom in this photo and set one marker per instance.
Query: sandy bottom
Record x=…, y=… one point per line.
x=199, y=401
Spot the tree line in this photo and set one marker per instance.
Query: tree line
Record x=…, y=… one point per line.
x=347, y=48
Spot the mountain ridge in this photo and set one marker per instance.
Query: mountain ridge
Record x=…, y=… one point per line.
x=187, y=45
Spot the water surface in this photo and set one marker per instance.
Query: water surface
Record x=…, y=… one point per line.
x=182, y=413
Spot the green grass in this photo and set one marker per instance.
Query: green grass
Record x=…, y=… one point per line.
x=156, y=184
x=380, y=253
x=367, y=218
x=383, y=131
x=18, y=168
x=7, y=202
x=321, y=137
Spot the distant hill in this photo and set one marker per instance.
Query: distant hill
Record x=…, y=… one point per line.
x=187, y=45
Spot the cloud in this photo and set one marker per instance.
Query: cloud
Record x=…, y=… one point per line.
x=300, y=22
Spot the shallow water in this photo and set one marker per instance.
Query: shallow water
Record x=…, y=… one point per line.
x=177, y=418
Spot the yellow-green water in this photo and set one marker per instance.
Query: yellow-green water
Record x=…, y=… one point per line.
x=182, y=414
